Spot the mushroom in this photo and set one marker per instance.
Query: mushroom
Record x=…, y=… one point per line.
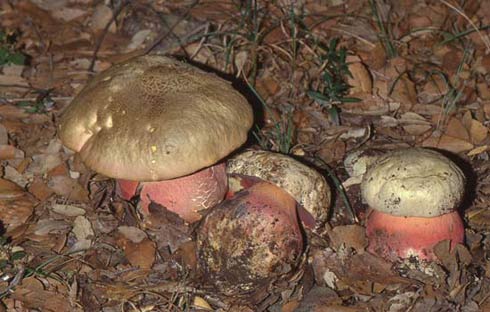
x=250, y=239
x=161, y=126
x=357, y=162
x=255, y=235
x=304, y=184
x=413, y=195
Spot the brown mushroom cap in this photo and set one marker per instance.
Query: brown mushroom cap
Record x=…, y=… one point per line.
x=155, y=118
x=413, y=182
x=304, y=184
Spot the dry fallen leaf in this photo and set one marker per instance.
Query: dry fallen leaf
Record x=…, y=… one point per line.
x=477, y=131
x=433, y=89
x=33, y=295
x=448, y=143
x=10, y=152
x=82, y=228
x=68, y=210
x=101, y=17
x=361, y=81
x=138, y=248
x=40, y=190
x=15, y=212
x=68, y=188
x=350, y=236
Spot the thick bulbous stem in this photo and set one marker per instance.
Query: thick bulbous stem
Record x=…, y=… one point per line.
x=393, y=237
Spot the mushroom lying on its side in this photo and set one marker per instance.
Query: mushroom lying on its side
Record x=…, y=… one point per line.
x=255, y=236
x=414, y=194
x=153, y=118
x=250, y=239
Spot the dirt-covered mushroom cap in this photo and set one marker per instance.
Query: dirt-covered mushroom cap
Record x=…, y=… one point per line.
x=304, y=184
x=413, y=182
x=155, y=118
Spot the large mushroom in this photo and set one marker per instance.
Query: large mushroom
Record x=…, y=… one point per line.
x=153, y=118
x=413, y=195
x=250, y=240
x=255, y=236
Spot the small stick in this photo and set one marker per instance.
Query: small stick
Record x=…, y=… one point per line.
x=104, y=33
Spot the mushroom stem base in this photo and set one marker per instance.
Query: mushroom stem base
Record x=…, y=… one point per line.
x=393, y=237
x=185, y=196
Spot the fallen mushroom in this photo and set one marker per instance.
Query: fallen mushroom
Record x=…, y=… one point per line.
x=250, y=239
x=255, y=236
x=153, y=118
x=304, y=184
x=413, y=195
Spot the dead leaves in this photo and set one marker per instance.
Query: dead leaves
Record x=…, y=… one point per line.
x=48, y=295
x=404, y=101
x=139, y=250
x=16, y=206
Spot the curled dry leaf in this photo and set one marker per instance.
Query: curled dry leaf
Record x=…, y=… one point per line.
x=360, y=81
x=16, y=206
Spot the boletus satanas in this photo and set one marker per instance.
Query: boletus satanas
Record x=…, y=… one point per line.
x=413, y=195
x=306, y=185
x=255, y=236
x=161, y=127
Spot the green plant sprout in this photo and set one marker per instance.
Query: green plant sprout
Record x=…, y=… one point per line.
x=8, y=53
x=280, y=137
x=335, y=87
x=386, y=34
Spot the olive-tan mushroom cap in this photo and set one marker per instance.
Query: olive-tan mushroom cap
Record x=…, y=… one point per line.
x=155, y=118
x=413, y=182
x=304, y=184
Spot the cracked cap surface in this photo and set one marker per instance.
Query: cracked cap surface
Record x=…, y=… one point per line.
x=413, y=182
x=306, y=185
x=155, y=118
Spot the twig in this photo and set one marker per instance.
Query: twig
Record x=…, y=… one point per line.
x=340, y=188
x=15, y=281
x=346, y=32
x=15, y=86
x=104, y=34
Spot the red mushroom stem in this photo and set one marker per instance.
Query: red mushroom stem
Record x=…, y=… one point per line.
x=185, y=196
x=395, y=237
x=240, y=182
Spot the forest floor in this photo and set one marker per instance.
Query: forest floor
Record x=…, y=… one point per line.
x=325, y=78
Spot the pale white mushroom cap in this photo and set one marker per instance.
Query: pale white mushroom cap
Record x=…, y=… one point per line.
x=413, y=182
x=306, y=185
